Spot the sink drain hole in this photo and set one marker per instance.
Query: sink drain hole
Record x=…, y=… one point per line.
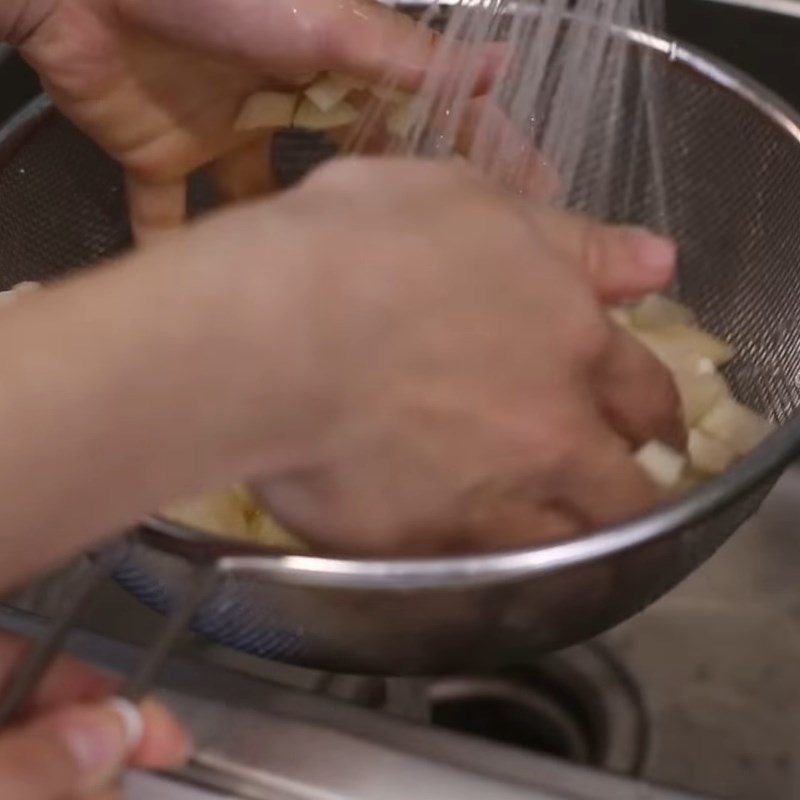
x=534, y=723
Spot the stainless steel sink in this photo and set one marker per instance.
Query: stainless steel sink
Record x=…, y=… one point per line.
x=714, y=665
x=718, y=660
x=711, y=670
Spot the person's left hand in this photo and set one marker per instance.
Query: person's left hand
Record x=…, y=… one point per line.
x=160, y=85
x=72, y=743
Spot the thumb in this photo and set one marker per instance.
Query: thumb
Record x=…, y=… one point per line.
x=74, y=750
x=622, y=263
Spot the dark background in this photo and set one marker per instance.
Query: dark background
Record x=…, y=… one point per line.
x=763, y=44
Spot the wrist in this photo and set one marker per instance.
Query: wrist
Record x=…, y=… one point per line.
x=268, y=341
x=181, y=369
x=19, y=19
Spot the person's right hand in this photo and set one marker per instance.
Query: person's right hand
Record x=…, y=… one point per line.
x=464, y=385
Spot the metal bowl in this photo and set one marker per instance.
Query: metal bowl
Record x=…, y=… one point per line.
x=732, y=160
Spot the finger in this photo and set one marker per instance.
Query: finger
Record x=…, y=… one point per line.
x=245, y=172
x=604, y=484
x=515, y=520
x=510, y=522
x=637, y=395
x=377, y=41
x=622, y=263
x=73, y=751
x=155, y=209
x=68, y=682
x=164, y=742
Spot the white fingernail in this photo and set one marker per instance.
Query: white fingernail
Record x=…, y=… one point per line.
x=131, y=719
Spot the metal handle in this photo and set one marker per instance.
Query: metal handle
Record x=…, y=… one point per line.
x=42, y=653
x=142, y=678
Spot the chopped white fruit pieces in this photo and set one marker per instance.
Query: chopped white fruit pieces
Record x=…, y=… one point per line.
x=664, y=465
x=312, y=118
x=720, y=429
x=264, y=530
x=266, y=111
x=735, y=425
x=330, y=90
x=322, y=106
x=680, y=347
x=708, y=455
x=230, y=512
x=657, y=311
x=12, y=295
x=26, y=287
x=620, y=315
x=216, y=512
x=699, y=393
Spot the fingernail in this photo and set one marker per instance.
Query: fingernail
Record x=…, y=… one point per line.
x=100, y=738
x=131, y=719
x=654, y=253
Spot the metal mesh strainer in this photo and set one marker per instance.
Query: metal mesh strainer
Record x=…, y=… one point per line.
x=732, y=156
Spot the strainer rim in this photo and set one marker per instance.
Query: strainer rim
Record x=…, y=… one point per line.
x=767, y=461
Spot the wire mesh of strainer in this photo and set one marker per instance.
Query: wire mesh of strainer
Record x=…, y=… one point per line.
x=732, y=171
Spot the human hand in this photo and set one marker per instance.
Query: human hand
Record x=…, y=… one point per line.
x=403, y=357
x=72, y=743
x=160, y=85
x=456, y=379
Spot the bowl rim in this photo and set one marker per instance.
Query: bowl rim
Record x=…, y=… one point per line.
x=764, y=463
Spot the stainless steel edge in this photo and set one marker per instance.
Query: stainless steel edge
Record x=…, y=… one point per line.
x=15, y=131
x=790, y=8
x=786, y=7
x=261, y=741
